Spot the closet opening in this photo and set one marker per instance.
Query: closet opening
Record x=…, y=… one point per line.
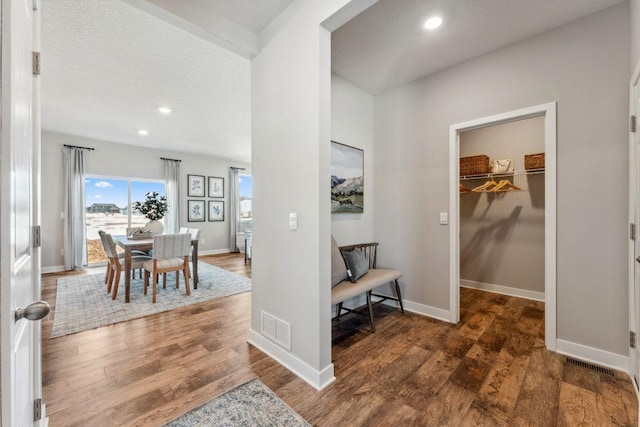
x=503, y=214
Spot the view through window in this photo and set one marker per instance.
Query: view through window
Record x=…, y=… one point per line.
x=108, y=202
x=245, y=193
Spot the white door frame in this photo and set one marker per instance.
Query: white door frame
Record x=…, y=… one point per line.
x=633, y=205
x=548, y=111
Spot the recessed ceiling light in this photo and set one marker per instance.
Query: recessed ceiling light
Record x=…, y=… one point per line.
x=143, y=132
x=433, y=23
x=165, y=110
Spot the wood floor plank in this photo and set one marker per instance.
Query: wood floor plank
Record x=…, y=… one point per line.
x=578, y=407
x=490, y=369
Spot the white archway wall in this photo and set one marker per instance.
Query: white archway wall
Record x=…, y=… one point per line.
x=411, y=153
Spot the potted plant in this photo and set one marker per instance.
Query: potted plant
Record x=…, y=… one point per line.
x=154, y=208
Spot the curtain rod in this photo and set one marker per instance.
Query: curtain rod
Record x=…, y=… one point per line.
x=240, y=169
x=77, y=146
x=173, y=160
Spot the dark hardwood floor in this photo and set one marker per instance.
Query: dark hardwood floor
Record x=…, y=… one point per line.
x=490, y=369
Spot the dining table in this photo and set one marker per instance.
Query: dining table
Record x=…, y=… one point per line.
x=130, y=244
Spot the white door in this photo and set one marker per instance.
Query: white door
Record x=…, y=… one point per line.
x=19, y=257
x=634, y=307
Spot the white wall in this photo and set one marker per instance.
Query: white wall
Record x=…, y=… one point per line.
x=352, y=124
x=502, y=233
x=291, y=133
x=584, y=66
x=635, y=32
x=118, y=160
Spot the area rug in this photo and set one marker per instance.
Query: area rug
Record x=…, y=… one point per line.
x=251, y=404
x=82, y=302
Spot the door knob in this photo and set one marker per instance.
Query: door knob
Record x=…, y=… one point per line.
x=638, y=259
x=34, y=311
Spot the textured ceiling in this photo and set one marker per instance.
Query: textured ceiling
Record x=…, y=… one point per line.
x=386, y=45
x=254, y=15
x=108, y=66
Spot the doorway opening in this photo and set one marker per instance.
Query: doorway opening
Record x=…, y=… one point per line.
x=473, y=230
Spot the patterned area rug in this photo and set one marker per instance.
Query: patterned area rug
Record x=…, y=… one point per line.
x=251, y=404
x=82, y=302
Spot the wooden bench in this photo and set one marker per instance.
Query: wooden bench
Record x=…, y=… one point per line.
x=374, y=278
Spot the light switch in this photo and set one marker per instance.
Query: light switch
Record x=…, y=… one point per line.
x=444, y=218
x=293, y=221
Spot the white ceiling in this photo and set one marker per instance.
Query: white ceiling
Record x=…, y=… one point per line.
x=253, y=15
x=108, y=66
x=386, y=46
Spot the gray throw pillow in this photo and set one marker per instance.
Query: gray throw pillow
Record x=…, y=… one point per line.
x=338, y=268
x=356, y=263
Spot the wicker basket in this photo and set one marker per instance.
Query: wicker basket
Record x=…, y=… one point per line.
x=474, y=165
x=534, y=161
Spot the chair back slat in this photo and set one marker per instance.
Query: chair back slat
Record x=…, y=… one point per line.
x=171, y=245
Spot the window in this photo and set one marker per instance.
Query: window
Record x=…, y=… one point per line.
x=108, y=202
x=245, y=190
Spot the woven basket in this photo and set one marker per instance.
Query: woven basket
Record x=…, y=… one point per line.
x=534, y=161
x=474, y=165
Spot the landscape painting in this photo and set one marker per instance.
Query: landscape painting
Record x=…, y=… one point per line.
x=347, y=178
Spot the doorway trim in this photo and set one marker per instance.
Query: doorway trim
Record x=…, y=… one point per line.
x=548, y=111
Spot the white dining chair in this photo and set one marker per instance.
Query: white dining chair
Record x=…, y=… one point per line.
x=115, y=264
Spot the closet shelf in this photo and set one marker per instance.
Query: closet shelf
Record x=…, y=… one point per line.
x=502, y=175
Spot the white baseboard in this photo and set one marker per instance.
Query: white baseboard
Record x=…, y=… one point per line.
x=52, y=269
x=593, y=355
x=214, y=252
x=425, y=310
x=59, y=268
x=505, y=290
x=317, y=379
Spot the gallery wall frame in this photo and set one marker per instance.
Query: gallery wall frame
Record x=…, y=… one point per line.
x=216, y=210
x=216, y=187
x=195, y=186
x=195, y=210
x=347, y=178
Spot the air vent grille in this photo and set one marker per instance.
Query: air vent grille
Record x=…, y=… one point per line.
x=591, y=367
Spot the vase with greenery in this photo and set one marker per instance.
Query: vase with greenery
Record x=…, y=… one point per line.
x=154, y=208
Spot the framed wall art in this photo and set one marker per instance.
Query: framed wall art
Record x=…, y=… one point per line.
x=195, y=210
x=347, y=178
x=216, y=186
x=195, y=186
x=216, y=210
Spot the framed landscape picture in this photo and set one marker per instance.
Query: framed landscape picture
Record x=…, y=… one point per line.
x=216, y=186
x=216, y=210
x=195, y=185
x=195, y=210
x=347, y=178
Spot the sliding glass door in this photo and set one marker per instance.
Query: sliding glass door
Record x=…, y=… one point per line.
x=108, y=203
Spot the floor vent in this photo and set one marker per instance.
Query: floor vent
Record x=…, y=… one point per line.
x=591, y=367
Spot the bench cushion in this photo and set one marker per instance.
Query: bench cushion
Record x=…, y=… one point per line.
x=374, y=278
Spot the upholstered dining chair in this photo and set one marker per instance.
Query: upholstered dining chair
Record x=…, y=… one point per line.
x=195, y=235
x=170, y=253
x=121, y=256
x=115, y=264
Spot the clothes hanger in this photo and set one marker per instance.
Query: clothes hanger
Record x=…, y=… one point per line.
x=464, y=189
x=484, y=187
x=505, y=185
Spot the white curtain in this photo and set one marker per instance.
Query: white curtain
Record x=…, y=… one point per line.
x=172, y=189
x=234, y=212
x=75, y=247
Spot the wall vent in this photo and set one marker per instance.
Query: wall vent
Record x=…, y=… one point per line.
x=277, y=330
x=591, y=367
